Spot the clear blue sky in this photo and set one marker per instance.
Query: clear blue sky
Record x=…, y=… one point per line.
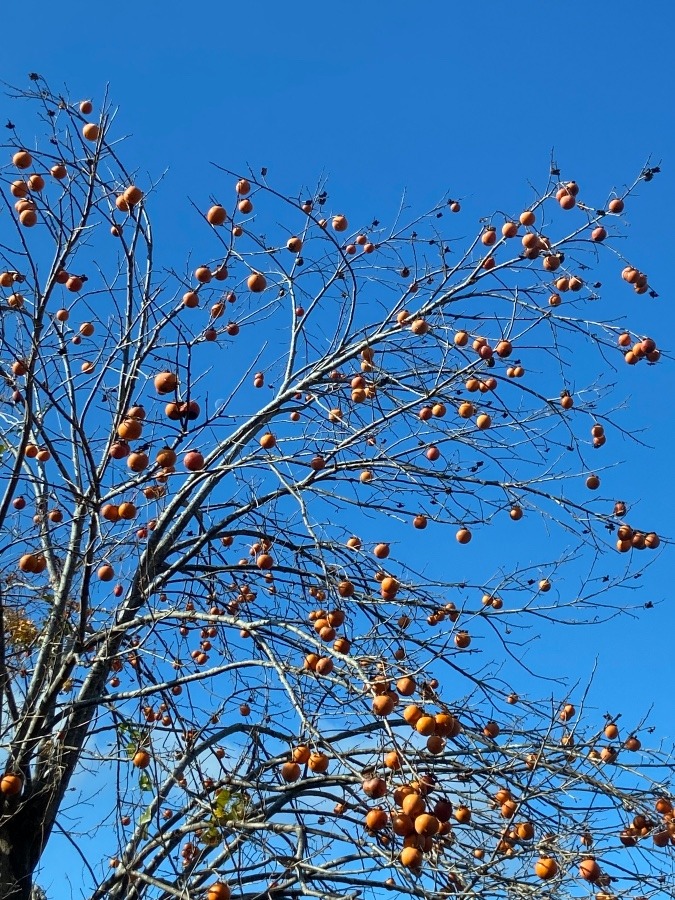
x=428, y=97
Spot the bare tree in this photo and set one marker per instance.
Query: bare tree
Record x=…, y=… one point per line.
x=235, y=498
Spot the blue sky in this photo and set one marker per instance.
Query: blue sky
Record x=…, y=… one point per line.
x=427, y=98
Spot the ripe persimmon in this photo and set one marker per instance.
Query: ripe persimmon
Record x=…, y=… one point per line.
x=138, y=461
x=193, y=461
x=127, y=510
x=463, y=814
x=165, y=382
x=462, y=640
x=383, y=705
x=545, y=868
x=141, y=759
x=11, y=784
x=420, y=326
x=290, y=772
x=318, y=762
x=376, y=819
x=256, y=282
x=22, y=159
x=132, y=195
x=216, y=215
x=219, y=890
x=28, y=218
x=410, y=857
x=90, y=131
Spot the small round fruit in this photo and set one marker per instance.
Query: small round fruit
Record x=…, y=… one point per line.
x=462, y=640
x=90, y=131
x=256, y=282
x=132, y=195
x=652, y=540
x=589, y=870
x=141, y=759
x=545, y=868
x=376, y=819
x=420, y=326
x=410, y=857
x=216, y=215
x=28, y=218
x=193, y=461
x=567, y=712
x=166, y=382
x=219, y=890
x=290, y=772
x=11, y=784
x=318, y=762
x=22, y=159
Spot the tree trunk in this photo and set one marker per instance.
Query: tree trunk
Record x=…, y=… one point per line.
x=16, y=876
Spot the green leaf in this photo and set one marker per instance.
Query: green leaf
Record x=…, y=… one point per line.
x=210, y=837
x=222, y=798
x=145, y=782
x=145, y=818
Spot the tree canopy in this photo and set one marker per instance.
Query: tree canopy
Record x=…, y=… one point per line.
x=280, y=520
